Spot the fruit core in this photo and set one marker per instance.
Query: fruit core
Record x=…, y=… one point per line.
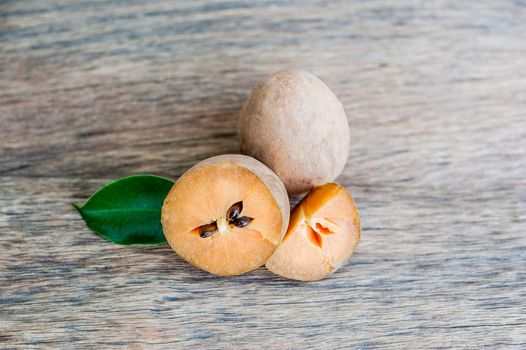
x=233, y=218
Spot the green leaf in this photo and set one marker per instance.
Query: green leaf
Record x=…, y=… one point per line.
x=128, y=210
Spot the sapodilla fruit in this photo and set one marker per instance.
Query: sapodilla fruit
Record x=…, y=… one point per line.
x=323, y=232
x=226, y=215
x=294, y=124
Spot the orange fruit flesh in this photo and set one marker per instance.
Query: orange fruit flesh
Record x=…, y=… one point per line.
x=323, y=233
x=203, y=196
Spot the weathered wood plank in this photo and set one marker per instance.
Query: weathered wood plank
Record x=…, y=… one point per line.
x=435, y=94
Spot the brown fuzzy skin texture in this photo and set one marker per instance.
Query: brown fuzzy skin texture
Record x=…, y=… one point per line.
x=269, y=178
x=295, y=124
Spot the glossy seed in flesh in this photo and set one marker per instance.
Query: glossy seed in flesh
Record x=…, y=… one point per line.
x=207, y=230
x=234, y=211
x=242, y=221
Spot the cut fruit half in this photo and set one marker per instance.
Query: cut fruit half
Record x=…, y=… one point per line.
x=323, y=232
x=226, y=215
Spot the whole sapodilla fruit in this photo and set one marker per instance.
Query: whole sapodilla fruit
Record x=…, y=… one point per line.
x=295, y=124
x=226, y=214
x=323, y=233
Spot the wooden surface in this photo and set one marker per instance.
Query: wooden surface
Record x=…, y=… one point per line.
x=435, y=93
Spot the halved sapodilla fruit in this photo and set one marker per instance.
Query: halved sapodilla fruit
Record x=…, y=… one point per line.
x=323, y=233
x=226, y=215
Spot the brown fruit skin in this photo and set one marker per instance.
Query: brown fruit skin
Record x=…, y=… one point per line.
x=295, y=124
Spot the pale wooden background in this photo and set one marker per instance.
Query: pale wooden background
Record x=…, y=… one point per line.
x=436, y=98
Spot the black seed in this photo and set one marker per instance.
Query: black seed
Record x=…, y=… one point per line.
x=242, y=221
x=234, y=211
x=207, y=230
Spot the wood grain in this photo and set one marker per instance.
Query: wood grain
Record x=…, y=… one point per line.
x=435, y=93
